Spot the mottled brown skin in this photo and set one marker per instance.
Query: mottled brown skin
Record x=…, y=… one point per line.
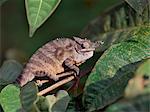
x=50, y=58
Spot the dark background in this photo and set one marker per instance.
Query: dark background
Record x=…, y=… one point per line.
x=68, y=20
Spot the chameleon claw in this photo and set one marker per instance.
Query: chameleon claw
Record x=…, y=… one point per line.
x=41, y=82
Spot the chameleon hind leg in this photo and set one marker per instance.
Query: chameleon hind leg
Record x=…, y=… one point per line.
x=56, y=77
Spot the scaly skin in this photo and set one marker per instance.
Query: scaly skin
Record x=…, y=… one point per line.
x=50, y=58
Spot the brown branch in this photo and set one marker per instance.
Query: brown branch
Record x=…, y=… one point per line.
x=64, y=81
x=85, y=71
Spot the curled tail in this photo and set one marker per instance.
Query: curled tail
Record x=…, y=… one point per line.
x=24, y=78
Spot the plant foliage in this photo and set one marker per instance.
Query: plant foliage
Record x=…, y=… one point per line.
x=117, y=24
x=140, y=84
x=9, y=98
x=122, y=71
x=28, y=96
x=137, y=104
x=130, y=36
x=9, y=72
x=38, y=12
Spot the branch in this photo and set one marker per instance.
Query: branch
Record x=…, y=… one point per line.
x=64, y=81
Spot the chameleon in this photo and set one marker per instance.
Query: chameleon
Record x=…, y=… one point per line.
x=51, y=59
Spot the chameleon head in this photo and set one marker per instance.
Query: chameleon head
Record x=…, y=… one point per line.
x=87, y=47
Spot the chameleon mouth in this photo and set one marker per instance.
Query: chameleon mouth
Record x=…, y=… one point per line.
x=87, y=50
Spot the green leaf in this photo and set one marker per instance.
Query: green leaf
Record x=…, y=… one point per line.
x=116, y=25
x=75, y=104
x=117, y=56
x=9, y=98
x=139, y=85
x=63, y=99
x=101, y=93
x=52, y=103
x=1, y=87
x=38, y=12
x=28, y=96
x=138, y=104
x=41, y=104
x=138, y=5
x=9, y=72
x=71, y=106
x=121, y=54
x=144, y=69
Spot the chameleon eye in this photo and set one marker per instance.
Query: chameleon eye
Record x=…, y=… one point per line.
x=82, y=46
x=85, y=45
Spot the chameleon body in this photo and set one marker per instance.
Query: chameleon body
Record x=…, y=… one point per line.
x=50, y=58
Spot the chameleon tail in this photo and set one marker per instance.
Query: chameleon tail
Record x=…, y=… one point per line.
x=24, y=78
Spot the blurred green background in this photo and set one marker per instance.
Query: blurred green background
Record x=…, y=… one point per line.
x=68, y=20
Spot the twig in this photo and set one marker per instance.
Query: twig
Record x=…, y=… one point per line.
x=64, y=81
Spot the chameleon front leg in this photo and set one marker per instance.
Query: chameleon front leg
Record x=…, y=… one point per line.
x=71, y=65
x=65, y=74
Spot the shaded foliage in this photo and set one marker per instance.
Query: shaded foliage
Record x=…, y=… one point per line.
x=116, y=24
x=101, y=93
x=137, y=104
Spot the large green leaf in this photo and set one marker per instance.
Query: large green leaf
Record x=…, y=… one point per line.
x=101, y=93
x=9, y=98
x=121, y=54
x=38, y=11
x=138, y=5
x=116, y=24
x=9, y=71
x=138, y=104
x=104, y=81
x=28, y=96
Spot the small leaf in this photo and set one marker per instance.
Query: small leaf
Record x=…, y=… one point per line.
x=52, y=103
x=138, y=5
x=9, y=98
x=9, y=72
x=28, y=95
x=63, y=99
x=41, y=104
x=138, y=104
x=38, y=12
